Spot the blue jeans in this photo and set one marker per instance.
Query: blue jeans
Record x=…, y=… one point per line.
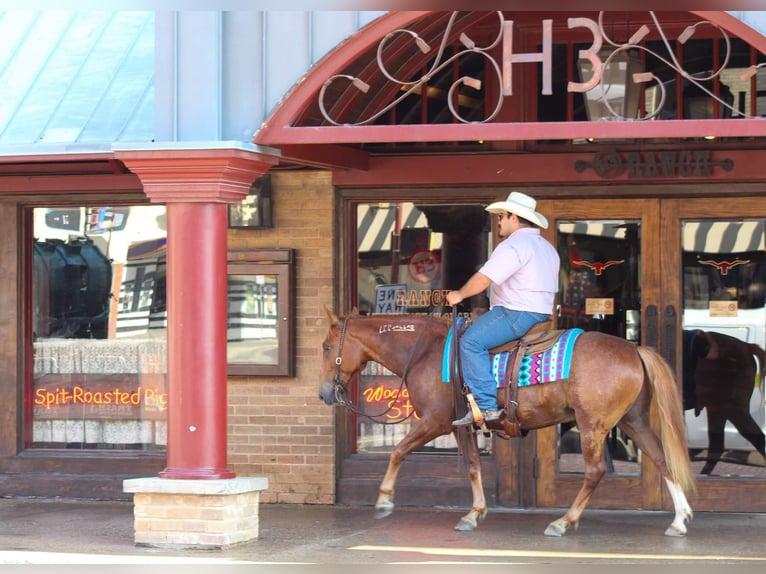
x=495, y=327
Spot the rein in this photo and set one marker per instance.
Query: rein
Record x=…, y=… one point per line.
x=341, y=391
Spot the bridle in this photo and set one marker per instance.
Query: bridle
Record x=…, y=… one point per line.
x=337, y=382
x=340, y=391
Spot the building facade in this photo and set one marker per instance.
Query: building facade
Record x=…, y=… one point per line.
x=188, y=227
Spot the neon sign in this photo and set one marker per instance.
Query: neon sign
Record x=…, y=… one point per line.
x=147, y=397
x=395, y=402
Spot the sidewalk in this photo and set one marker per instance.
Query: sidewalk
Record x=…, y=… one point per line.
x=42, y=531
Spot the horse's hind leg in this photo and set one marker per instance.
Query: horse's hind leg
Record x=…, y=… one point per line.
x=745, y=425
x=716, y=423
x=646, y=440
x=595, y=468
x=748, y=428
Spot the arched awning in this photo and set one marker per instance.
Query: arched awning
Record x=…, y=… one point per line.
x=301, y=130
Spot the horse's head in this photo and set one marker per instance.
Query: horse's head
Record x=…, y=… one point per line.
x=341, y=359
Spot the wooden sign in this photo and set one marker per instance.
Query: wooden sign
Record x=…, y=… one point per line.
x=599, y=306
x=723, y=308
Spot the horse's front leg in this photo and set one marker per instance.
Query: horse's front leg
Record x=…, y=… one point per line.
x=384, y=505
x=418, y=435
x=470, y=521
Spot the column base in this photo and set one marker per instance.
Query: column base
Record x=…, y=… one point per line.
x=196, y=473
x=202, y=514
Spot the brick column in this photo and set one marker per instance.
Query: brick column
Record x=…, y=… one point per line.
x=196, y=185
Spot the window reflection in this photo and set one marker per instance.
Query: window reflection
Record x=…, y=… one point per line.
x=723, y=344
x=253, y=329
x=600, y=291
x=408, y=256
x=99, y=328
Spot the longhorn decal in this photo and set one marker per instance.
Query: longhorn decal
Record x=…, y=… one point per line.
x=723, y=266
x=598, y=268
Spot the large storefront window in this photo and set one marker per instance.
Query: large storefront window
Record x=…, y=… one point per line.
x=99, y=328
x=408, y=256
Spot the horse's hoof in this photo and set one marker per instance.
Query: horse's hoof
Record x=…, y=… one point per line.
x=675, y=532
x=465, y=525
x=383, y=511
x=557, y=528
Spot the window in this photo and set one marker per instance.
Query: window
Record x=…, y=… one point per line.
x=408, y=257
x=99, y=343
x=260, y=328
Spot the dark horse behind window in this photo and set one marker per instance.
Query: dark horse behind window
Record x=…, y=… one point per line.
x=612, y=383
x=720, y=374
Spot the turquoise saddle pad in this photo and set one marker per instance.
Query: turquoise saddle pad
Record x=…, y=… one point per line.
x=548, y=366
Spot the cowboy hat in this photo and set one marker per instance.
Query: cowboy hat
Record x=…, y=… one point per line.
x=522, y=205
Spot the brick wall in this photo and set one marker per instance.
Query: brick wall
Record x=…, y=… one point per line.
x=278, y=428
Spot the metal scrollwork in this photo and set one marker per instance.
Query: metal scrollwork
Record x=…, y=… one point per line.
x=672, y=63
x=440, y=62
x=408, y=86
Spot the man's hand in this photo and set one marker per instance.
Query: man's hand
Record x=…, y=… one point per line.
x=475, y=285
x=453, y=298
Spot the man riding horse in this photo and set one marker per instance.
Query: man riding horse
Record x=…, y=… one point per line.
x=523, y=273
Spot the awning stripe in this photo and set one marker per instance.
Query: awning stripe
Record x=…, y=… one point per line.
x=377, y=223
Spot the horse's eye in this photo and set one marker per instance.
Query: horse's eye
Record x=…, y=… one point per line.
x=327, y=348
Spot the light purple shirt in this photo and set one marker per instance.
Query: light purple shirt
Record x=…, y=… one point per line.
x=524, y=269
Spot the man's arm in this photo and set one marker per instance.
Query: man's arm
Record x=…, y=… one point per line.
x=475, y=285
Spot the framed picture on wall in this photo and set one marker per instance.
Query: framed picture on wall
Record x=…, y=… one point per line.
x=261, y=311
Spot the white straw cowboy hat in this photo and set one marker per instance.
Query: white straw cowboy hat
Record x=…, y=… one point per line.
x=522, y=205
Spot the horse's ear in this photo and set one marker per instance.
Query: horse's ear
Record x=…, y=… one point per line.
x=354, y=311
x=330, y=315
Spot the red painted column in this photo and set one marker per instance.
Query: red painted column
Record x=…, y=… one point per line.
x=197, y=295
x=196, y=185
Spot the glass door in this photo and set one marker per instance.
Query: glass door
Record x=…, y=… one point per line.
x=688, y=278
x=609, y=283
x=719, y=358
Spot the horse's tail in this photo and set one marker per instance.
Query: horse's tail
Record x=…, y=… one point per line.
x=667, y=398
x=760, y=354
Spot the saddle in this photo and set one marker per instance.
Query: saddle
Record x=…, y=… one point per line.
x=538, y=339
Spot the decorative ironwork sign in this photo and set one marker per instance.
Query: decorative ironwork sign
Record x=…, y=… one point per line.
x=602, y=52
x=637, y=164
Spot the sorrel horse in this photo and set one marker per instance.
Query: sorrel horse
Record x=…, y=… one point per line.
x=612, y=383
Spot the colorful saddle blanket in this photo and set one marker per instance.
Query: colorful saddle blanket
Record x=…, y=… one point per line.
x=551, y=365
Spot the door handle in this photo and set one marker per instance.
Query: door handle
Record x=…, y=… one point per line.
x=669, y=336
x=650, y=327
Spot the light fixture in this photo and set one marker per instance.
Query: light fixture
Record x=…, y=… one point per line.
x=617, y=96
x=253, y=212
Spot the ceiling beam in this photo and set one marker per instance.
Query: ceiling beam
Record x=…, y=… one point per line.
x=325, y=156
x=519, y=131
x=53, y=184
